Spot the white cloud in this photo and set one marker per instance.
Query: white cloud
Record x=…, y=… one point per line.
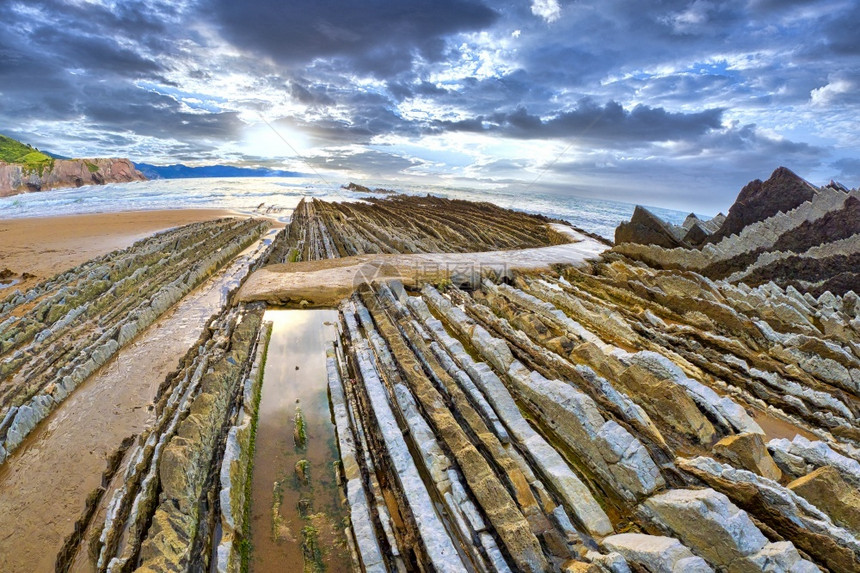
x=549, y=10
x=832, y=92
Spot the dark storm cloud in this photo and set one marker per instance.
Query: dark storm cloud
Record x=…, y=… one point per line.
x=310, y=95
x=87, y=70
x=371, y=115
x=705, y=173
x=609, y=123
x=48, y=67
x=98, y=55
x=378, y=36
x=620, y=40
x=145, y=113
x=400, y=90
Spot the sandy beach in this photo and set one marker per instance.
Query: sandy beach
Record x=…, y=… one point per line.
x=45, y=246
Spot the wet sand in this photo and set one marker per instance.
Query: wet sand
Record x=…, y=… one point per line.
x=45, y=246
x=45, y=482
x=774, y=428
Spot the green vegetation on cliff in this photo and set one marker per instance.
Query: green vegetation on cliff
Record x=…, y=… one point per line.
x=12, y=151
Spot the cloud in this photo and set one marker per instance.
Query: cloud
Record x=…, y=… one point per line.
x=711, y=93
x=366, y=162
x=549, y=10
x=588, y=121
x=847, y=171
x=381, y=37
x=840, y=89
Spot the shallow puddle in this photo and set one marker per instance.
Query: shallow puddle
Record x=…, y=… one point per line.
x=296, y=524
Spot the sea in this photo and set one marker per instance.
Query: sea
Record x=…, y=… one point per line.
x=279, y=196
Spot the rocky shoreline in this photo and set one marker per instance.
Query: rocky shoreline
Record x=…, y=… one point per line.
x=624, y=413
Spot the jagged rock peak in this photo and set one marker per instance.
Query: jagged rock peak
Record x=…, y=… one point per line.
x=691, y=220
x=758, y=200
x=837, y=185
x=648, y=229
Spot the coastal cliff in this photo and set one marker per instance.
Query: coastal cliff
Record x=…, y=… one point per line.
x=18, y=178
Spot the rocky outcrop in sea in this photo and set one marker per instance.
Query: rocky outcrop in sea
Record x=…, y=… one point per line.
x=62, y=173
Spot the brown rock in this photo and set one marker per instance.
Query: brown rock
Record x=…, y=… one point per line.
x=497, y=503
x=759, y=200
x=667, y=403
x=748, y=452
x=825, y=489
x=67, y=173
x=647, y=229
x=580, y=567
x=757, y=503
x=605, y=365
x=696, y=235
x=832, y=226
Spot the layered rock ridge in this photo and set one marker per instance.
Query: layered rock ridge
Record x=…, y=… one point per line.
x=644, y=408
x=783, y=230
x=57, y=333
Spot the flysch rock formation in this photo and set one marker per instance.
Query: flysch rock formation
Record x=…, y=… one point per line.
x=783, y=230
x=603, y=416
x=56, y=334
x=62, y=173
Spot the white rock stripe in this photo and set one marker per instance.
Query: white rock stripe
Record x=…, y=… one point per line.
x=438, y=545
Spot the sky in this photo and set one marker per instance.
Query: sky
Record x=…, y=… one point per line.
x=669, y=103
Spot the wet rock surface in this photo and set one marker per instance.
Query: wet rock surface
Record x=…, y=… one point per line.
x=59, y=332
x=407, y=224
x=599, y=382
x=162, y=516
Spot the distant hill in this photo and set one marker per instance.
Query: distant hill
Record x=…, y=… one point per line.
x=30, y=158
x=180, y=171
x=23, y=168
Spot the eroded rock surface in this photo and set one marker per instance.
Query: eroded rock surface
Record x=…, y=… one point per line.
x=783, y=230
x=59, y=332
